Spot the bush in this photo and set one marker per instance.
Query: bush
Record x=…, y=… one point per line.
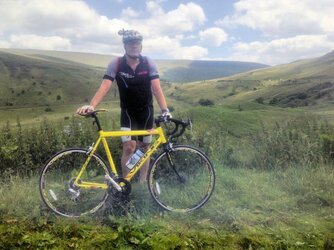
x=260, y=100
x=274, y=101
x=297, y=142
x=25, y=151
x=206, y=102
x=48, y=109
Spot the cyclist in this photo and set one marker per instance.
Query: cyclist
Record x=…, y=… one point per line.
x=137, y=80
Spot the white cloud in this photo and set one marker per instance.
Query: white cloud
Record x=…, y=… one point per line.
x=189, y=52
x=130, y=13
x=164, y=31
x=40, y=42
x=213, y=36
x=291, y=30
x=183, y=19
x=171, y=47
x=73, y=25
x=72, y=19
x=153, y=7
x=283, y=17
x=283, y=50
x=4, y=44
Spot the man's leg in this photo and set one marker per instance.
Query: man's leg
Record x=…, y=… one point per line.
x=129, y=148
x=144, y=169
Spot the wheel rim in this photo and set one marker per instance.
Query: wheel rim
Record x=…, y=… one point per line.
x=59, y=191
x=187, y=188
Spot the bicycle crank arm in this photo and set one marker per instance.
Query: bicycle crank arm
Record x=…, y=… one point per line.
x=114, y=183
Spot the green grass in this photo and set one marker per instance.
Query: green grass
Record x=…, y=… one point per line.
x=290, y=206
x=249, y=209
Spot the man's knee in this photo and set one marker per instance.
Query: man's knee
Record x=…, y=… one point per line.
x=143, y=146
x=129, y=147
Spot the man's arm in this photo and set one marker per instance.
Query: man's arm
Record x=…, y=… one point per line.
x=159, y=95
x=98, y=97
x=101, y=92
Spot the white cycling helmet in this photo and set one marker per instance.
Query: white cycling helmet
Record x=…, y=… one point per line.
x=130, y=35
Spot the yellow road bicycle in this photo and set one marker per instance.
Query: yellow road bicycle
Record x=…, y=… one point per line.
x=77, y=181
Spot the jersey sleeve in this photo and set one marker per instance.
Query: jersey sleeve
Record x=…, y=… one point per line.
x=153, y=70
x=111, y=70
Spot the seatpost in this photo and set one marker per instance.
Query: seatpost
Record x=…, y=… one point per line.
x=97, y=122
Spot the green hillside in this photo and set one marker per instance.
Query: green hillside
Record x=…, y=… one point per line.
x=320, y=68
x=30, y=81
x=50, y=78
x=273, y=160
x=170, y=70
x=189, y=71
x=306, y=84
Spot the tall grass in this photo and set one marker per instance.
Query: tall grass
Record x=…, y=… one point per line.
x=25, y=150
x=274, y=190
x=278, y=209
x=304, y=140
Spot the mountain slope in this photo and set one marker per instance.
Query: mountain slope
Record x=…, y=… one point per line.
x=35, y=78
x=190, y=71
x=306, y=83
x=321, y=67
x=170, y=70
x=30, y=81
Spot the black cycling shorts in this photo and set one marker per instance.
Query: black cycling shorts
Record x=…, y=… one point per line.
x=138, y=119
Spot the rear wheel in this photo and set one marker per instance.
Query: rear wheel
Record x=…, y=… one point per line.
x=181, y=179
x=57, y=183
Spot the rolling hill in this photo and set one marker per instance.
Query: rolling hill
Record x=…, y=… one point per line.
x=320, y=68
x=28, y=81
x=307, y=84
x=35, y=77
x=170, y=70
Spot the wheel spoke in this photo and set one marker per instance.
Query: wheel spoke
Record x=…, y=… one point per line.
x=63, y=194
x=182, y=179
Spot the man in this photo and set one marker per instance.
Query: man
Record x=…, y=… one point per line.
x=138, y=80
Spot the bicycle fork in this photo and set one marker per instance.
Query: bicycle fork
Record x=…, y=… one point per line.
x=182, y=180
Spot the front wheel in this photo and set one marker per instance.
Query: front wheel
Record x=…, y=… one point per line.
x=57, y=183
x=181, y=179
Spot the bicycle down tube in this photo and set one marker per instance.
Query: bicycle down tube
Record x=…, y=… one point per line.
x=103, y=135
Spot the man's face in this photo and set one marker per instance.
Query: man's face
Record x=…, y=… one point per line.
x=133, y=48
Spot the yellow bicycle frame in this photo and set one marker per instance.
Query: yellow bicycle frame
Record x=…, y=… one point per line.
x=103, y=135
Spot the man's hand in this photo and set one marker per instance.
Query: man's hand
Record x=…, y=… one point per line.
x=166, y=114
x=85, y=109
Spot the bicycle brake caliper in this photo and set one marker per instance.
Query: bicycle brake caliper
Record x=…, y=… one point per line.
x=169, y=147
x=90, y=148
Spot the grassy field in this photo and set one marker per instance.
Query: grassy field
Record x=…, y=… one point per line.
x=275, y=185
x=249, y=210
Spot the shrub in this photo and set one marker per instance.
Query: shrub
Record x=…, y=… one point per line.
x=24, y=151
x=296, y=142
x=206, y=102
x=260, y=100
x=273, y=101
x=48, y=109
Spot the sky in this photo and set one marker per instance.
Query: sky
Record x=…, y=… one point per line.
x=264, y=31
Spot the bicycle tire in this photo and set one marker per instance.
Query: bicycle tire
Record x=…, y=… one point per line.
x=181, y=179
x=56, y=183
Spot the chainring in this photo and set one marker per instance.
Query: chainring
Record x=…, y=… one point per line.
x=125, y=185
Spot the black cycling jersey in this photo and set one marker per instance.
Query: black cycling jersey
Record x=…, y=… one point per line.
x=134, y=86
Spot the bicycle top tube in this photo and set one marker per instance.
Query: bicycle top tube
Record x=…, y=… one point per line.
x=178, y=130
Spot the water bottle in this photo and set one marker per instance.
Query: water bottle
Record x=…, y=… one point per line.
x=134, y=159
